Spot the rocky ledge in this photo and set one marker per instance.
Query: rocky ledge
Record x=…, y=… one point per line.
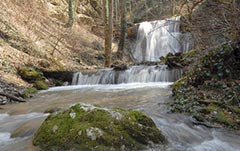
x=10, y=93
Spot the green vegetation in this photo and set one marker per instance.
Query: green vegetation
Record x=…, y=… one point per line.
x=178, y=60
x=33, y=76
x=211, y=90
x=30, y=74
x=29, y=92
x=40, y=85
x=86, y=127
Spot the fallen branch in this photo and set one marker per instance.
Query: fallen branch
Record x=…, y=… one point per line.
x=14, y=98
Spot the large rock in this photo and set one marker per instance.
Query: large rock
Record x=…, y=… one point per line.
x=30, y=74
x=132, y=31
x=87, y=127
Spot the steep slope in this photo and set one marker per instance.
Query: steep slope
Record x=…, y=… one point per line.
x=210, y=89
x=33, y=33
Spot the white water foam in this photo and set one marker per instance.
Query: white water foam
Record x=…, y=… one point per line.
x=5, y=139
x=3, y=116
x=214, y=145
x=124, y=86
x=141, y=74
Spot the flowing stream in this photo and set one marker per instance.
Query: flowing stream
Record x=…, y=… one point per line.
x=144, y=88
x=149, y=98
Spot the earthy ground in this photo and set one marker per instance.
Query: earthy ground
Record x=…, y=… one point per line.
x=33, y=33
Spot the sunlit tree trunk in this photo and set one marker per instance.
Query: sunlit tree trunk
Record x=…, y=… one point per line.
x=71, y=12
x=123, y=28
x=108, y=23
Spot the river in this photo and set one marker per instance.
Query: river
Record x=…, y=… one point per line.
x=150, y=95
x=151, y=98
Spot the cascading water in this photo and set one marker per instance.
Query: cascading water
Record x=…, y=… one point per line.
x=154, y=39
x=134, y=74
x=150, y=98
x=158, y=38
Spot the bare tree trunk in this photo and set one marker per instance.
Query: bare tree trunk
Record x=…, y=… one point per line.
x=123, y=28
x=108, y=22
x=71, y=12
x=116, y=11
x=173, y=7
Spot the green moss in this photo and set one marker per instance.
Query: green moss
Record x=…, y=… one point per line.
x=179, y=83
x=30, y=74
x=29, y=92
x=144, y=132
x=84, y=127
x=40, y=85
x=222, y=117
x=211, y=108
x=188, y=54
x=235, y=109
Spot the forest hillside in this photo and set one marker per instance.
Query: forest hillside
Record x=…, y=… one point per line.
x=33, y=33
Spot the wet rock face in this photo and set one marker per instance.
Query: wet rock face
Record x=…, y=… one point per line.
x=87, y=127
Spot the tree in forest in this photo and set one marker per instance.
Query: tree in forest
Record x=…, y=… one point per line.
x=71, y=12
x=108, y=26
x=123, y=28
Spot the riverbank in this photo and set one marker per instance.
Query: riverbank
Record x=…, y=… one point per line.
x=209, y=90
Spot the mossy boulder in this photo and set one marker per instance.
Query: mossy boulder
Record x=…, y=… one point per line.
x=30, y=74
x=33, y=76
x=87, y=127
x=41, y=85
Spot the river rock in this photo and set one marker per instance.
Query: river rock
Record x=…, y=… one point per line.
x=30, y=74
x=87, y=127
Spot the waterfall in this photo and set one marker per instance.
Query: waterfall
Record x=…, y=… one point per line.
x=154, y=39
x=141, y=74
x=158, y=38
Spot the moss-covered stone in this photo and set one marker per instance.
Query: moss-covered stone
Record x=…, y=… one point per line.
x=86, y=127
x=29, y=92
x=30, y=74
x=40, y=85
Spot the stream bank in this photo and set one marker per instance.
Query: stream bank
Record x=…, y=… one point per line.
x=210, y=89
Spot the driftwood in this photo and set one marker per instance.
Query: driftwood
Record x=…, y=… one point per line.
x=14, y=98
